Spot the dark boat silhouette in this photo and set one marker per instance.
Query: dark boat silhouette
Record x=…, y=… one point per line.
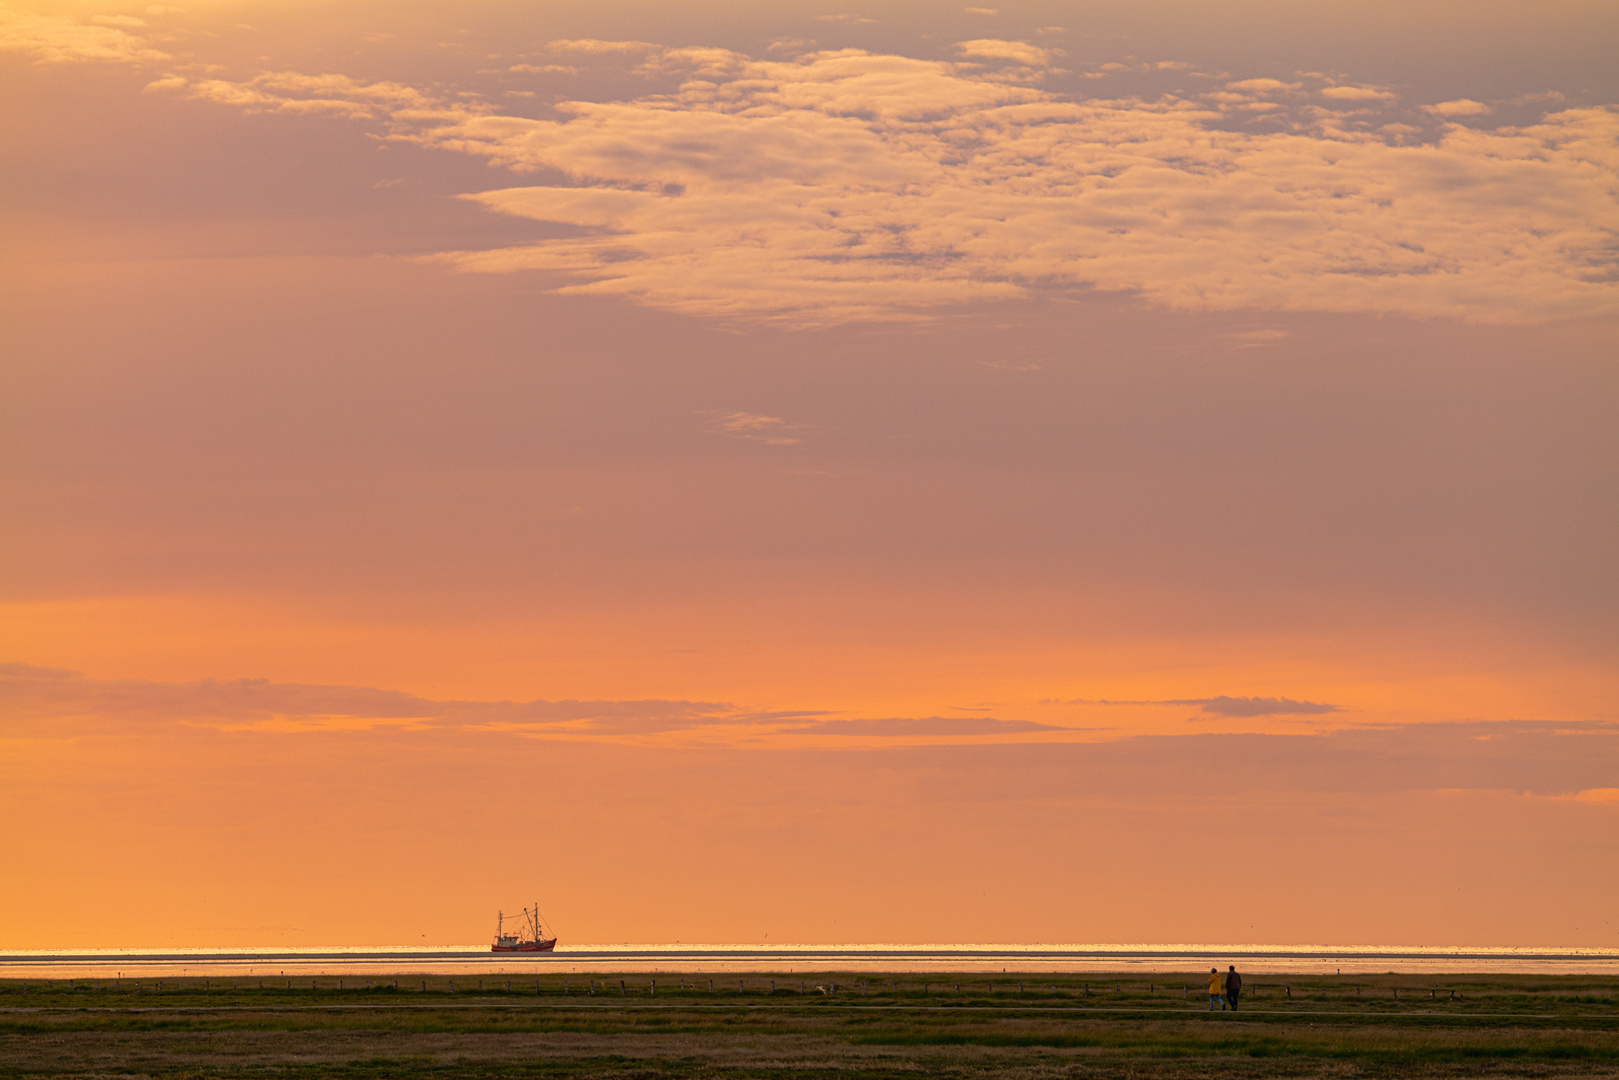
x=529, y=937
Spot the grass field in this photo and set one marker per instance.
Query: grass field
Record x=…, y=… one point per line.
x=848, y=1026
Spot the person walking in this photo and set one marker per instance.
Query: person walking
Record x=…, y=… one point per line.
x=1233, y=987
x=1215, y=986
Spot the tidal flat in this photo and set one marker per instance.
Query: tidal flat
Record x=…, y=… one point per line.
x=851, y=1027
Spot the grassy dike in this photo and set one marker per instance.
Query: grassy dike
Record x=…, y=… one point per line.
x=639, y=1027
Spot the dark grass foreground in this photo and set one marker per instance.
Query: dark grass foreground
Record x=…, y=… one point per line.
x=848, y=1027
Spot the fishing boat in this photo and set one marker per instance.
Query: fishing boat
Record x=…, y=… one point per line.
x=528, y=937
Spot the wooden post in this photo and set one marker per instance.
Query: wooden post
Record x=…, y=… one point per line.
x=654, y=990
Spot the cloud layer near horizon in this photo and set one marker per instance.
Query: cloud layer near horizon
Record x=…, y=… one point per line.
x=1560, y=759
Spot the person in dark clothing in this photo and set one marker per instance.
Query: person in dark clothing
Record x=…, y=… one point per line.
x=1233, y=986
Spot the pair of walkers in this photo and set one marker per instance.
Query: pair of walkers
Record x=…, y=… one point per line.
x=1224, y=989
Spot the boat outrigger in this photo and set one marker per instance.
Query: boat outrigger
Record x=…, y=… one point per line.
x=529, y=938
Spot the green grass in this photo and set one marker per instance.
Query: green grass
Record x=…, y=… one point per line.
x=903, y=1025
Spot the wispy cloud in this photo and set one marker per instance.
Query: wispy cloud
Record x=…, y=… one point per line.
x=994, y=49
x=1357, y=93
x=771, y=430
x=56, y=39
x=901, y=726
x=595, y=46
x=1578, y=760
x=1223, y=705
x=1459, y=107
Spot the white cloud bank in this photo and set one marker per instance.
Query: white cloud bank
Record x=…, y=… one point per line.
x=848, y=185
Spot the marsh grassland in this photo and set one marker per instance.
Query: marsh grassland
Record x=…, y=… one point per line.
x=870, y=1025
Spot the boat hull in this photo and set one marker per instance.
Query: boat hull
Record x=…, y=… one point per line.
x=527, y=946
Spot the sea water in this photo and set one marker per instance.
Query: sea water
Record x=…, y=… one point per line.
x=919, y=958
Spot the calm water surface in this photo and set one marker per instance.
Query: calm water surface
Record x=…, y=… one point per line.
x=478, y=960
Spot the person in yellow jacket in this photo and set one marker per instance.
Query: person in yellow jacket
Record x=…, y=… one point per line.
x=1216, y=985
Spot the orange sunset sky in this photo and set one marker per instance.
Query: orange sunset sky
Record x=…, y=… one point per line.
x=1069, y=471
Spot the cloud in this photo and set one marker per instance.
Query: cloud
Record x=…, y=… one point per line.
x=1261, y=86
x=846, y=185
x=1570, y=761
x=1356, y=93
x=1231, y=706
x=33, y=697
x=982, y=11
x=544, y=69
x=1263, y=706
x=900, y=726
x=847, y=20
x=41, y=701
x=772, y=430
x=56, y=39
x=321, y=95
x=1459, y=107
x=593, y=46
x=992, y=49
